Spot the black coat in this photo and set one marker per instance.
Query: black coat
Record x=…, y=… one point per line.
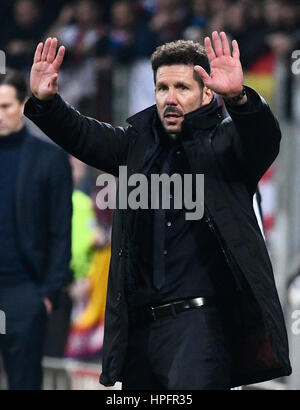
x=233, y=153
x=43, y=214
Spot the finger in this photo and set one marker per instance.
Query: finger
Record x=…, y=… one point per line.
x=46, y=49
x=209, y=50
x=202, y=73
x=225, y=44
x=236, y=50
x=217, y=44
x=52, y=51
x=59, y=58
x=38, y=53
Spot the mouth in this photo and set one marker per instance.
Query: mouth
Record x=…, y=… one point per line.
x=172, y=119
x=172, y=115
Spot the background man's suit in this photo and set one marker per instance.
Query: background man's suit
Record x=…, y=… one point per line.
x=41, y=232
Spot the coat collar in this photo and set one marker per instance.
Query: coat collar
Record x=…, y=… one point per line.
x=203, y=118
x=145, y=123
x=143, y=119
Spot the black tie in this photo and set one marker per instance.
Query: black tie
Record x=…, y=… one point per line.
x=159, y=250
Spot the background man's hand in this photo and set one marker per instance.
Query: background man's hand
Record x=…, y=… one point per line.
x=45, y=68
x=226, y=74
x=48, y=305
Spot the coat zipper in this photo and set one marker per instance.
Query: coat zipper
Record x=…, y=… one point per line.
x=212, y=226
x=228, y=258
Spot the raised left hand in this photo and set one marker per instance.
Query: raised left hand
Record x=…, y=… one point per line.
x=226, y=74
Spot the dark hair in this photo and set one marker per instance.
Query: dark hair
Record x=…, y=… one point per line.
x=180, y=52
x=16, y=80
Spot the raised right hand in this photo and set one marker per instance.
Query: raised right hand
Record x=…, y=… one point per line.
x=45, y=68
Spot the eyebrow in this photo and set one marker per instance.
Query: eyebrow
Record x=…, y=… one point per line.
x=179, y=83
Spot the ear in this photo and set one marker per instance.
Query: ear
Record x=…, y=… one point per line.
x=23, y=105
x=207, y=95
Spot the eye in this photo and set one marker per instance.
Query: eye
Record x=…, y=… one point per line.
x=183, y=87
x=161, y=88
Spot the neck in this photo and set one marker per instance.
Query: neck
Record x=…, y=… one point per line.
x=18, y=129
x=15, y=131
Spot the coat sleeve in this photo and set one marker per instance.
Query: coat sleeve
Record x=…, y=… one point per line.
x=96, y=143
x=59, y=218
x=256, y=137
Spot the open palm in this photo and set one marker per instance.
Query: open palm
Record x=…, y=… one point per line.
x=45, y=68
x=226, y=74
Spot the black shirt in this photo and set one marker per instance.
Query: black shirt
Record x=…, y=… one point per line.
x=194, y=262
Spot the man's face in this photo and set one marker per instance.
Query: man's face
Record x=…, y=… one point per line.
x=11, y=111
x=177, y=93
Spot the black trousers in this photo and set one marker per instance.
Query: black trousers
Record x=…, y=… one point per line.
x=58, y=327
x=188, y=352
x=22, y=345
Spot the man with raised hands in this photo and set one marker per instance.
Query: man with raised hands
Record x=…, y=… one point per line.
x=191, y=304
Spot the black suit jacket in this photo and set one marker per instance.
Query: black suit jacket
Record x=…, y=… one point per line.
x=43, y=212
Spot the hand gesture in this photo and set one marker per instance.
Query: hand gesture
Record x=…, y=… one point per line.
x=226, y=74
x=45, y=68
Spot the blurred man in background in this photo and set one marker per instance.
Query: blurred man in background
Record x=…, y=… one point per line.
x=35, y=235
x=18, y=39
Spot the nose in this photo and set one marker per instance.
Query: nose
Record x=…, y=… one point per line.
x=171, y=98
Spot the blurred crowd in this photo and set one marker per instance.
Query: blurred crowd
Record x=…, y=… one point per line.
x=121, y=31
x=100, y=35
x=76, y=327
x=91, y=250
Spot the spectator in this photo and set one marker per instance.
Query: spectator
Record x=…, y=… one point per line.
x=87, y=238
x=217, y=6
x=121, y=32
x=197, y=20
x=81, y=28
x=104, y=215
x=169, y=20
x=199, y=15
x=27, y=26
x=86, y=234
x=53, y=8
x=281, y=38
